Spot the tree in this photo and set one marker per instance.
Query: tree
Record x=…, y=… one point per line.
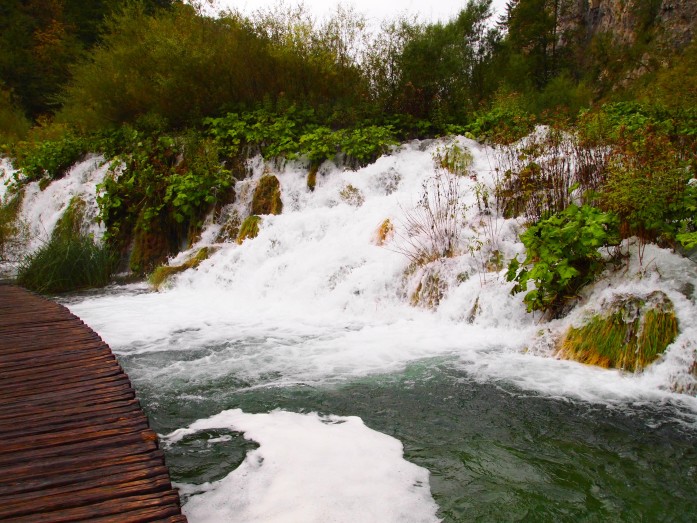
x=442, y=64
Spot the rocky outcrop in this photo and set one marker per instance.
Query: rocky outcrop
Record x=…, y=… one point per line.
x=673, y=23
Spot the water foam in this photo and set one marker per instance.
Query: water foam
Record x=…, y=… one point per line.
x=310, y=468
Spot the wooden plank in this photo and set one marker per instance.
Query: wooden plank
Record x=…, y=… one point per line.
x=57, y=468
x=49, y=415
x=75, y=444
x=72, y=477
x=161, y=504
x=77, y=435
x=72, y=496
x=95, y=398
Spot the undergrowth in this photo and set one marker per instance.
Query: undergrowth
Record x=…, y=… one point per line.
x=67, y=264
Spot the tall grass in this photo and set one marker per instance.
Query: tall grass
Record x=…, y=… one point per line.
x=67, y=263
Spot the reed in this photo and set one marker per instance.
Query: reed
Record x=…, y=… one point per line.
x=67, y=263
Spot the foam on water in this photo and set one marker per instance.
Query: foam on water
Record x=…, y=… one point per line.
x=310, y=468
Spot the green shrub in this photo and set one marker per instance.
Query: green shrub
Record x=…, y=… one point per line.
x=562, y=251
x=363, y=145
x=647, y=187
x=504, y=123
x=67, y=264
x=49, y=159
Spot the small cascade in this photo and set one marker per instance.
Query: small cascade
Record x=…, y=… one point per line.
x=42, y=207
x=320, y=263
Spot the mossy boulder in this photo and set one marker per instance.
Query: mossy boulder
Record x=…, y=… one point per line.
x=13, y=232
x=249, y=228
x=632, y=333
x=267, y=196
x=71, y=223
x=162, y=273
x=153, y=243
x=312, y=178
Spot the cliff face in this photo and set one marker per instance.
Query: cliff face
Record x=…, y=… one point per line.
x=671, y=23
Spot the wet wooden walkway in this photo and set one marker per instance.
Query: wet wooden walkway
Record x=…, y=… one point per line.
x=74, y=442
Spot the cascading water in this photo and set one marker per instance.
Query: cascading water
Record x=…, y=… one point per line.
x=293, y=335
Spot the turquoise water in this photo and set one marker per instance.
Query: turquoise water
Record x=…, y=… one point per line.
x=494, y=452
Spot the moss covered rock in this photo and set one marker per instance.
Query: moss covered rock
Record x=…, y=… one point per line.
x=249, y=228
x=630, y=335
x=152, y=245
x=267, y=196
x=162, y=273
x=312, y=178
x=71, y=223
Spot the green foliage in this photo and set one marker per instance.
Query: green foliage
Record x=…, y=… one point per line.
x=163, y=179
x=630, y=336
x=67, y=263
x=504, y=123
x=562, y=251
x=647, y=187
x=363, y=145
x=48, y=159
x=297, y=133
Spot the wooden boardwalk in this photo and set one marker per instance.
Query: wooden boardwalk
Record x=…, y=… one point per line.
x=74, y=442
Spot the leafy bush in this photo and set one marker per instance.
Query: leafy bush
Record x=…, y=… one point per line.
x=563, y=253
x=67, y=264
x=363, y=145
x=297, y=133
x=49, y=159
x=161, y=177
x=647, y=187
x=504, y=123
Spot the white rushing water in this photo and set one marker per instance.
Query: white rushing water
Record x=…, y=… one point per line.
x=315, y=300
